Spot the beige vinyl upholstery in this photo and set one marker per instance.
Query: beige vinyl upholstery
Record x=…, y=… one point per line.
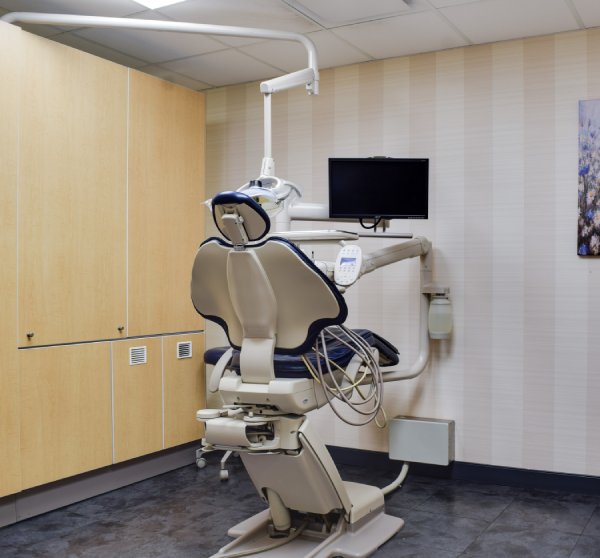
x=305, y=300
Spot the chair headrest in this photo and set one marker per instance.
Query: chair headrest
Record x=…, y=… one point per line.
x=239, y=218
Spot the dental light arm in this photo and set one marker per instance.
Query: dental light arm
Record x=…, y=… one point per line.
x=417, y=247
x=289, y=81
x=410, y=249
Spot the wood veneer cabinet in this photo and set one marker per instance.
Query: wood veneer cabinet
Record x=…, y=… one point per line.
x=66, y=422
x=72, y=195
x=184, y=388
x=10, y=473
x=137, y=388
x=166, y=191
x=80, y=236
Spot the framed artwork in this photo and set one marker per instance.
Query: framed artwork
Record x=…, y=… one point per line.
x=588, y=223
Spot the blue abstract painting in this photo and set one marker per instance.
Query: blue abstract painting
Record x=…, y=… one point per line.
x=588, y=225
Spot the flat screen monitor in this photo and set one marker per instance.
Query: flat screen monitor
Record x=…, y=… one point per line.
x=377, y=188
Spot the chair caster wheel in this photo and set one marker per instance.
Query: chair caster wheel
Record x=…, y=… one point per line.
x=201, y=463
x=224, y=474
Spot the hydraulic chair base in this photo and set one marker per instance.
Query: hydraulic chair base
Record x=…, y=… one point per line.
x=358, y=540
x=333, y=517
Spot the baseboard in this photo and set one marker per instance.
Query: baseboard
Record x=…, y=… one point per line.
x=473, y=472
x=48, y=497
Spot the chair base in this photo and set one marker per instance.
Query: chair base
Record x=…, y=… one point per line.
x=357, y=540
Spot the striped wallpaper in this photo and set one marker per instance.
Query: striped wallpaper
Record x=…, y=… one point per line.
x=521, y=375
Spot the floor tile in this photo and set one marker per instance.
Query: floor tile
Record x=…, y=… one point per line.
x=398, y=548
x=524, y=542
x=587, y=547
x=457, y=501
x=593, y=527
x=411, y=495
x=534, y=510
x=187, y=513
x=442, y=532
x=49, y=525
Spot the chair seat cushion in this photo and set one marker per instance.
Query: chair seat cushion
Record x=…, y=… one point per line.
x=291, y=366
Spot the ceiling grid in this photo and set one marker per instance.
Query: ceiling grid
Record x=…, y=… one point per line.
x=344, y=32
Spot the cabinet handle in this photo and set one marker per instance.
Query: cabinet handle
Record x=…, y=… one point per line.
x=30, y=334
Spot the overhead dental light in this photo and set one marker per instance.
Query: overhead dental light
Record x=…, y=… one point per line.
x=271, y=193
x=154, y=4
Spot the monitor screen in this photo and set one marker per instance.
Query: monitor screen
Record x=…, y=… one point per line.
x=378, y=188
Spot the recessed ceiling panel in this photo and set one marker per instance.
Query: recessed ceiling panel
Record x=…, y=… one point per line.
x=223, y=68
x=341, y=12
x=268, y=14
x=589, y=10
x=402, y=35
x=499, y=20
x=174, y=77
x=114, y=8
x=445, y=3
x=289, y=56
x=152, y=46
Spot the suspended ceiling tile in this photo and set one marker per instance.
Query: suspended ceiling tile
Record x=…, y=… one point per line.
x=445, y=3
x=498, y=20
x=152, y=46
x=271, y=14
x=589, y=10
x=41, y=30
x=114, y=8
x=174, y=77
x=222, y=68
x=334, y=13
x=289, y=56
x=72, y=40
x=333, y=51
x=402, y=35
x=111, y=8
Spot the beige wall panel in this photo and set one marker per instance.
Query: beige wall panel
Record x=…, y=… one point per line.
x=66, y=425
x=72, y=195
x=166, y=215
x=499, y=124
x=138, y=427
x=184, y=387
x=10, y=473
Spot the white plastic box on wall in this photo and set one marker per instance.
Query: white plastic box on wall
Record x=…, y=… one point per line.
x=422, y=440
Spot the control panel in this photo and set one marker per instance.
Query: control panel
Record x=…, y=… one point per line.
x=347, y=265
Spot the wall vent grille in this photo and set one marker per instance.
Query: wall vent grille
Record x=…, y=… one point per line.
x=184, y=349
x=138, y=355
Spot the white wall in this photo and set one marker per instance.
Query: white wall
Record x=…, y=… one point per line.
x=499, y=123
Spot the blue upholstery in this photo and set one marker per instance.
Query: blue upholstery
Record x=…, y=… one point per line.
x=289, y=366
x=240, y=200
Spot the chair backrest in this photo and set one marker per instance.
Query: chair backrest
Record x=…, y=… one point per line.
x=268, y=297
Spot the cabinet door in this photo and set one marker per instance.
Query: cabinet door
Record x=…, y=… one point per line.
x=66, y=417
x=184, y=385
x=166, y=215
x=10, y=472
x=137, y=377
x=72, y=201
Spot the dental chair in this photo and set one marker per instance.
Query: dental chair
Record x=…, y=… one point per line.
x=275, y=307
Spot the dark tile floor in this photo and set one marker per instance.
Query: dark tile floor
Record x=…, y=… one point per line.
x=186, y=513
